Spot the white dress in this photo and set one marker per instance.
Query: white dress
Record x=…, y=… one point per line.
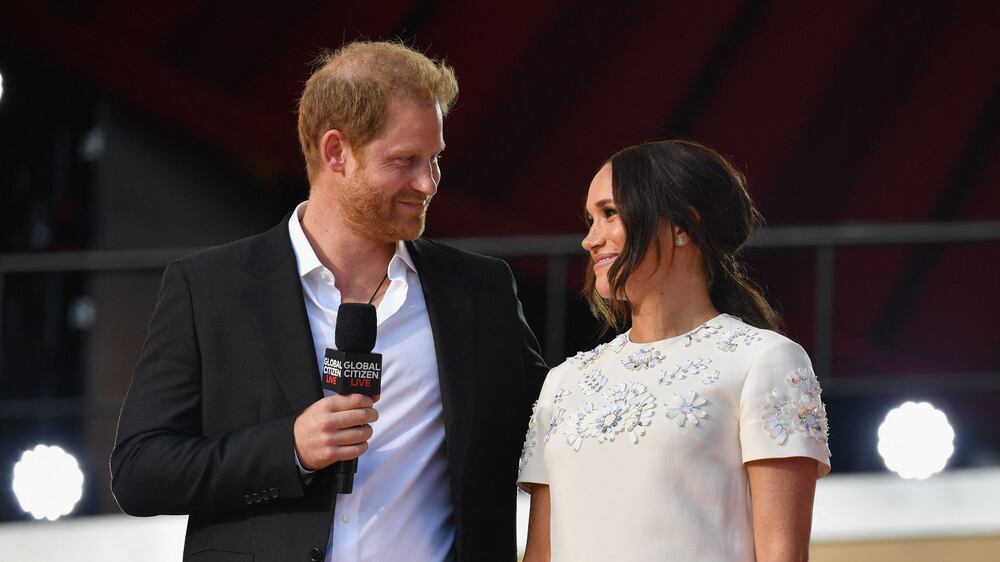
x=643, y=445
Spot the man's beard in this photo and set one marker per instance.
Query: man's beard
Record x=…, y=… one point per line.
x=377, y=214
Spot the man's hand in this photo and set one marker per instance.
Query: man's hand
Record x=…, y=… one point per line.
x=335, y=428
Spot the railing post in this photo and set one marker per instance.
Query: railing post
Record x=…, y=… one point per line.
x=555, y=309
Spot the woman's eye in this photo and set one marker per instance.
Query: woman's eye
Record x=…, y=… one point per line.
x=609, y=212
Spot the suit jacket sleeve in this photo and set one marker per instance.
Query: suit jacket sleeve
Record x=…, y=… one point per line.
x=162, y=462
x=535, y=368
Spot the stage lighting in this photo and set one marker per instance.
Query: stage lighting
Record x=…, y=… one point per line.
x=915, y=440
x=47, y=482
x=1, y=85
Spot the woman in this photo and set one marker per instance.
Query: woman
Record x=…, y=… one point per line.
x=699, y=433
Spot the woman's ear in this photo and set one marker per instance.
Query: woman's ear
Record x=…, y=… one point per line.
x=680, y=236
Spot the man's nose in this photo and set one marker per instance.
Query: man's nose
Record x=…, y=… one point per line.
x=427, y=179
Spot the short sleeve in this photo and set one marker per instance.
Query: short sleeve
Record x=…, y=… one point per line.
x=781, y=411
x=531, y=468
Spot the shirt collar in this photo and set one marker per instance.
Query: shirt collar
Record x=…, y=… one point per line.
x=307, y=260
x=305, y=256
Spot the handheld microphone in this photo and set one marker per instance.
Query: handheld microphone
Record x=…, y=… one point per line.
x=352, y=369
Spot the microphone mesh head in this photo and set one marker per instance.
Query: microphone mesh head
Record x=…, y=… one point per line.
x=355, y=330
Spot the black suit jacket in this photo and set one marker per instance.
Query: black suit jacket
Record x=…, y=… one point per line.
x=206, y=427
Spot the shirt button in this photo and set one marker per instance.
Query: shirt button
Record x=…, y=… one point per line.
x=345, y=518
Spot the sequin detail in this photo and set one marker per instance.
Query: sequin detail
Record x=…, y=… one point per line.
x=529, y=439
x=682, y=370
x=797, y=407
x=730, y=340
x=618, y=343
x=686, y=407
x=645, y=358
x=702, y=332
x=554, y=424
x=583, y=359
x=560, y=395
x=592, y=383
x=710, y=377
x=628, y=409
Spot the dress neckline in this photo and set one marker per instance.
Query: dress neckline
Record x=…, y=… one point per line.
x=703, y=325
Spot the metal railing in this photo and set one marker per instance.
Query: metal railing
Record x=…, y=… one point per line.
x=824, y=240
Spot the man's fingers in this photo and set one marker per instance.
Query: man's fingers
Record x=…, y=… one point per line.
x=341, y=402
x=350, y=418
x=348, y=452
x=351, y=436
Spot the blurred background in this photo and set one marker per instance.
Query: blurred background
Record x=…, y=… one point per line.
x=132, y=134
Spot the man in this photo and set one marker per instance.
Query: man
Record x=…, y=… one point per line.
x=225, y=419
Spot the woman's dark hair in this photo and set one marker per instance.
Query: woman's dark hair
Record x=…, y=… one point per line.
x=692, y=186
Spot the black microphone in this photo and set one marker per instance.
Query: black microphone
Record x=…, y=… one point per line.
x=352, y=369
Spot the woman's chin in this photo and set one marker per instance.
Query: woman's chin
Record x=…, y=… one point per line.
x=603, y=290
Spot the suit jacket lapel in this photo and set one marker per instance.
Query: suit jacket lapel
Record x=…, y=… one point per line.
x=450, y=308
x=274, y=302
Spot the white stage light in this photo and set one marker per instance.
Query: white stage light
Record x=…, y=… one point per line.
x=1, y=86
x=915, y=440
x=47, y=482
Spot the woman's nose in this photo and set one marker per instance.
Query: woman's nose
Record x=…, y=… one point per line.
x=592, y=239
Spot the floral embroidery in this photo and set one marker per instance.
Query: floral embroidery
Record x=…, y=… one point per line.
x=629, y=409
x=529, y=439
x=584, y=358
x=560, y=394
x=681, y=371
x=797, y=407
x=710, y=377
x=730, y=339
x=702, y=332
x=669, y=376
x=592, y=383
x=686, y=407
x=618, y=343
x=553, y=424
x=645, y=358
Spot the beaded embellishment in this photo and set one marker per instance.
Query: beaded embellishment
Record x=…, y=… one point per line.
x=628, y=409
x=554, y=424
x=592, y=383
x=730, y=340
x=798, y=407
x=702, y=332
x=529, y=439
x=686, y=407
x=690, y=367
x=645, y=358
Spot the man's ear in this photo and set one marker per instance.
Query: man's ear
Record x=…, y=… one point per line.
x=334, y=149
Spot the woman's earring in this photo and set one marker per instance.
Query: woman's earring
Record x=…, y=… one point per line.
x=681, y=240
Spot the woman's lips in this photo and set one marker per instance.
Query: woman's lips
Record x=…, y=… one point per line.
x=603, y=260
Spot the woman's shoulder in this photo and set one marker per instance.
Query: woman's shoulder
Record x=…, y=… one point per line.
x=734, y=335
x=582, y=361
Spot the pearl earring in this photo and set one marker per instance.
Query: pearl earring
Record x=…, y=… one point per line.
x=681, y=241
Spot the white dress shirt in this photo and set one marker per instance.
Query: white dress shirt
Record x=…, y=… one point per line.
x=401, y=507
